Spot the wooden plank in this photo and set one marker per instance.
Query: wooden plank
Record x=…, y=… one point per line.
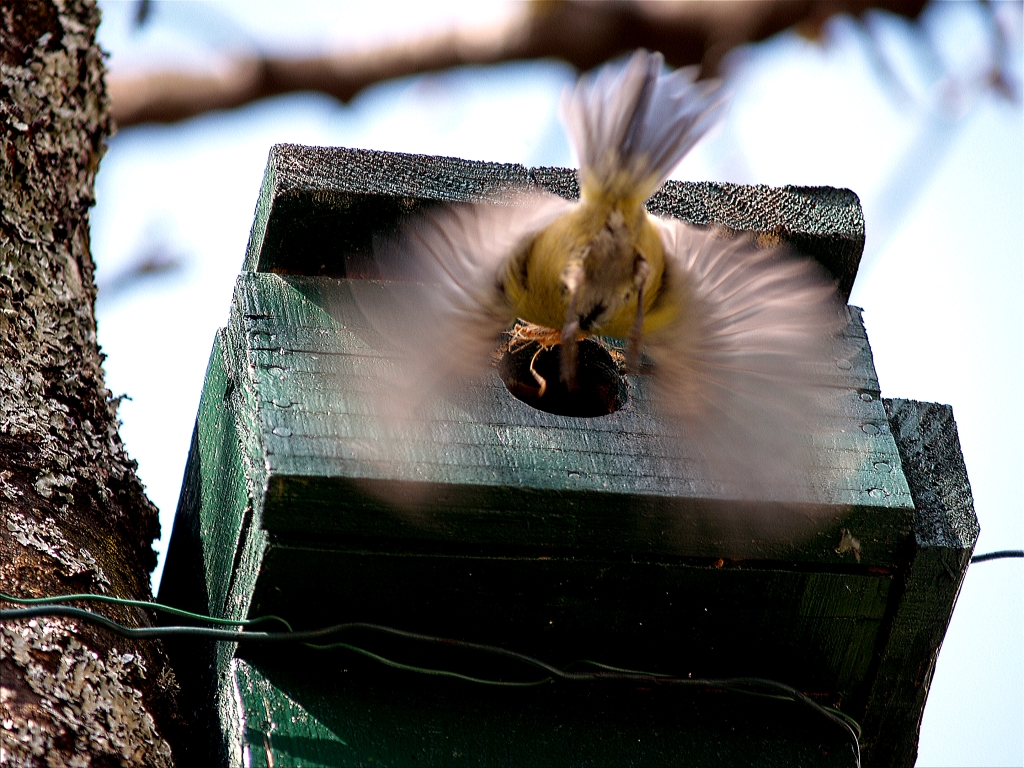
x=523, y=519
x=311, y=314
x=214, y=500
x=279, y=352
x=361, y=471
x=345, y=428
x=312, y=371
x=320, y=208
x=559, y=468
x=214, y=512
x=341, y=713
x=473, y=421
x=359, y=368
x=814, y=631
x=945, y=529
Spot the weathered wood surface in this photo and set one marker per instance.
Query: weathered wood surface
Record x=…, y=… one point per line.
x=321, y=207
x=815, y=631
x=522, y=477
x=567, y=538
x=946, y=530
x=350, y=717
x=628, y=578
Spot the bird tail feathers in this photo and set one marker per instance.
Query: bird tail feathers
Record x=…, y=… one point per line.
x=630, y=124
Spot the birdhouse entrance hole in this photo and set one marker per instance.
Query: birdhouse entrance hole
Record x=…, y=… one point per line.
x=600, y=387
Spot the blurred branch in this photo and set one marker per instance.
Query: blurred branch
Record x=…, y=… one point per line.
x=579, y=32
x=157, y=261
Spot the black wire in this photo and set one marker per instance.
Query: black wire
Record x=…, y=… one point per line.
x=998, y=555
x=208, y=633
x=747, y=685
x=738, y=684
x=148, y=604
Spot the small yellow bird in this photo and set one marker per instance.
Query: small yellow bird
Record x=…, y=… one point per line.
x=733, y=331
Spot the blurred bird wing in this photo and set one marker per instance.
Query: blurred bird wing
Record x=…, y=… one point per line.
x=738, y=367
x=449, y=264
x=631, y=123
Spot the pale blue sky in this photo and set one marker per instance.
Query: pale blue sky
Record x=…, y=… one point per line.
x=936, y=161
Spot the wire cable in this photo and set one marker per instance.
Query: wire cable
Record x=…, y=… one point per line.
x=429, y=671
x=89, y=597
x=746, y=685
x=50, y=606
x=997, y=555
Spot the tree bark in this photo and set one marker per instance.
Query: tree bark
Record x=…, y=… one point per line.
x=73, y=515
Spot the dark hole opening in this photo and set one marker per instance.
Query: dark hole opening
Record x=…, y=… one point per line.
x=600, y=388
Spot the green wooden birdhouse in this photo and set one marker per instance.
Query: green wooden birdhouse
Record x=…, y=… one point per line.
x=558, y=537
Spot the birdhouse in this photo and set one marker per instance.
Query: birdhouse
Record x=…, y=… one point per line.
x=560, y=537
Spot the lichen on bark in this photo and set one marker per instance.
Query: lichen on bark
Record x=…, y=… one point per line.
x=73, y=515
x=93, y=701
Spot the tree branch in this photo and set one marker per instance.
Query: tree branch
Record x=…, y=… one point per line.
x=582, y=33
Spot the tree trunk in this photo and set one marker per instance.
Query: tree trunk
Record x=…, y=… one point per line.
x=74, y=516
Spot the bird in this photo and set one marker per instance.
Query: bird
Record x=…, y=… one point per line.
x=733, y=331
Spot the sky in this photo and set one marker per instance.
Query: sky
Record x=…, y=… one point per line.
x=892, y=110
